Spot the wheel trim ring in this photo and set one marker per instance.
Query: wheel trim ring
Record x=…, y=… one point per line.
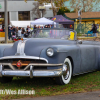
x=66, y=76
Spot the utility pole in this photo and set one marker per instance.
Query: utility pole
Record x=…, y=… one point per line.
x=79, y=14
x=6, y=21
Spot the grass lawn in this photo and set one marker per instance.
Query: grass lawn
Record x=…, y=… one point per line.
x=47, y=86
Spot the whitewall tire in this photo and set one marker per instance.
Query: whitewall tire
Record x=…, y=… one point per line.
x=66, y=77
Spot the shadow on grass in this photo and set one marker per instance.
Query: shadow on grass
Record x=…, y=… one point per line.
x=43, y=82
x=28, y=83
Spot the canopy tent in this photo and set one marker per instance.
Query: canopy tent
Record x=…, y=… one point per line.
x=21, y=23
x=62, y=20
x=42, y=21
x=65, y=22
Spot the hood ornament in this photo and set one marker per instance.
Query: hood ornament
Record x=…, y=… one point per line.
x=20, y=48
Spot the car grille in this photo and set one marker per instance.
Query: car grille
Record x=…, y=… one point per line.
x=24, y=63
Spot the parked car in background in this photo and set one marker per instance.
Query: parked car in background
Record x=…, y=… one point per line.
x=50, y=53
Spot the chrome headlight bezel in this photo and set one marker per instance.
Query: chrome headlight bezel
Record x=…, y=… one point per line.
x=50, y=52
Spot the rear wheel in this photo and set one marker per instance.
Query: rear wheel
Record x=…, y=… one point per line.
x=66, y=77
x=5, y=79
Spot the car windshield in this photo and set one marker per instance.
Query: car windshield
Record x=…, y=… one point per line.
x=54, y=33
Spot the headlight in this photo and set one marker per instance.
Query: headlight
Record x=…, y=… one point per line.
x=50, y=52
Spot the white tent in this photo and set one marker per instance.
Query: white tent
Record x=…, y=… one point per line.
x=42, y=21
x=20, y=23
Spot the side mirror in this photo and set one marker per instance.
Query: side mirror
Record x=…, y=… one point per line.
x=80, y=41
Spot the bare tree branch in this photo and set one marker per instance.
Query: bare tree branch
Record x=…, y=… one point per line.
x=86, y=5
x=36, y=10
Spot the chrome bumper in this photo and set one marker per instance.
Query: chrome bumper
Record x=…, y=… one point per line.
x=33, y=73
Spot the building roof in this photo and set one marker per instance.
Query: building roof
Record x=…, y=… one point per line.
x=85, y=15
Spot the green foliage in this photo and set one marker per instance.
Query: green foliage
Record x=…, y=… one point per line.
x=79, y=34
x=63, y=10
x=47, y=86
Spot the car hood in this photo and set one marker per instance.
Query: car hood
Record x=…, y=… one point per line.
x=33, y=47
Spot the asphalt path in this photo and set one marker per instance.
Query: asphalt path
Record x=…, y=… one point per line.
x=78, y=96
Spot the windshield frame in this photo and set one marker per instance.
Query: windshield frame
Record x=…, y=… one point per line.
x=75, y=35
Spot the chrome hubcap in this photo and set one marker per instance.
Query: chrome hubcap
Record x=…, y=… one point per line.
x=66, y=75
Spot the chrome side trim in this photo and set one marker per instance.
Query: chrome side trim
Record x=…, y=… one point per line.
x=62, y=51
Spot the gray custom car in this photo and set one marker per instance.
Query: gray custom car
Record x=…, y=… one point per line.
x=51, y=52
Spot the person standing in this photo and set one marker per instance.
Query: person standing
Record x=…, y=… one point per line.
x=9, y=33
x=94, y=29
x=19, y=32
x=16, y=30
x=34, y=27
x=34, y=30
x=22, y=33
x=13, y=33
x=28, y=29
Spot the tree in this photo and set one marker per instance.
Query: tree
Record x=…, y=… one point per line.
x=36, y=10
x=55, y=4
x=85, y=5
x=63, y=10
x=25, y=1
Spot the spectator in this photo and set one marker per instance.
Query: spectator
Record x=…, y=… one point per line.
x=22, y=33
x=9, y=33
x=46, y=26
x=35, y=27
x=94, y=29
x=16, y=30
x=19, y=32
x=34, y=30
x=4, y=29
x=13, y=33
x=28, y=29
x=39, y=27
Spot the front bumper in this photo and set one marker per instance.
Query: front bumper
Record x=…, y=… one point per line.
x=31, y=72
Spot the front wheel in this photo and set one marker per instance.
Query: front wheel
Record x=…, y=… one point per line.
x=66, y=77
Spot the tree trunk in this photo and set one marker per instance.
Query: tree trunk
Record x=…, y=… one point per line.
x=53, y=8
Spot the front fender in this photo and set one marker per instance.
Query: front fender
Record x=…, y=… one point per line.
x=57, y=58
x=3, y=47
x=62, y=52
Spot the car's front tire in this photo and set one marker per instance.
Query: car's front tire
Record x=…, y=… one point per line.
x=66, y=77
x=5, y=79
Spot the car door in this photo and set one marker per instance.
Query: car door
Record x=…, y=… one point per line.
x=88, y=56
